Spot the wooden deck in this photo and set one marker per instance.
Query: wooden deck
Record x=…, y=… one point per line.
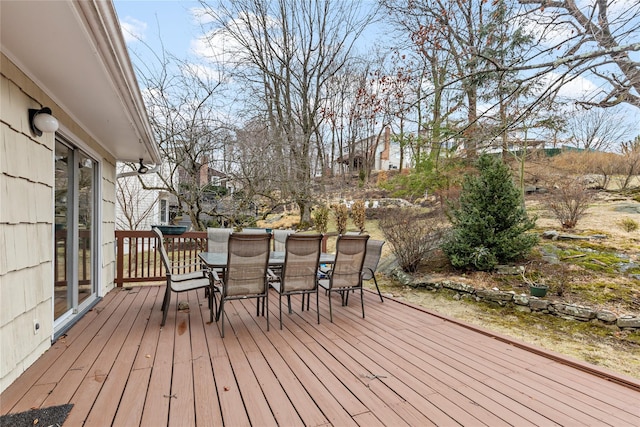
x=399, y=366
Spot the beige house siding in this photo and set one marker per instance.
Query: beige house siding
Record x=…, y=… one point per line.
x=26, y=221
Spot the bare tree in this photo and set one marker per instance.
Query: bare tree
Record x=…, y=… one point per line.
x=630, y=161
x=594, y=39
x=287, y=51
x=184, y=115
x=598, y=129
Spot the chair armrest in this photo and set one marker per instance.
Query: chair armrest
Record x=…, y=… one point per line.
x=214, y=274
x=271, y=276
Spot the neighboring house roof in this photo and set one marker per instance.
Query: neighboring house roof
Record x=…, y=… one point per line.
x=75, y=51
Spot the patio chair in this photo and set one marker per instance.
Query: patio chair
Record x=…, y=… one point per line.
x=371, y=260
x=245, y=275
x=181, y=282
x=346, y=272
x=217, y=239
x=280, y=238
x=218, y=242
x=299, y=275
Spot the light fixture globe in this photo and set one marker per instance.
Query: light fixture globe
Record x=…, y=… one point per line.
x=142, y=169
x=42, y=121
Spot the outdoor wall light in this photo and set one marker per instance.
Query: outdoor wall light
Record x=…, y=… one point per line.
x=142, y=169
x=42, y=121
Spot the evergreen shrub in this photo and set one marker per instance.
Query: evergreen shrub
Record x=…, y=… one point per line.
x=489, y=223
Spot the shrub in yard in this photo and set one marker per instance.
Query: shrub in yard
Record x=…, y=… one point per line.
x=411, y=235
x=358, y=214
x=321, y=218
x=341, y=214
x=628, y=225
x=490, y=223
x=568, y=201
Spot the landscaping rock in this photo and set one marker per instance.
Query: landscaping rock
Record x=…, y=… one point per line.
x=511, y=270
x=521, y=299
x=497, y=296
x=575, y=311
x=463, y=287
x=539, y=304
x=606, y=316
x=550, y=234
x=628, y=322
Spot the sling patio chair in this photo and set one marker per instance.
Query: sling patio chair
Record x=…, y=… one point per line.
x=181, y=282
x=346, y=272
x=371, y=260
x=299, y=275
x=245, y=274
x=280, y=238
x=218, y=239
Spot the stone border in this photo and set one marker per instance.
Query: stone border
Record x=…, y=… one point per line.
x=523, y=302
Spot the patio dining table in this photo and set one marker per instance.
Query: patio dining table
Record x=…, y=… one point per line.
x=276, y=259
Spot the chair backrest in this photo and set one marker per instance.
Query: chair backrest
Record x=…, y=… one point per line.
x=350, y=254
x=217, y=239
x=163, y=252
x=301, y=262
x=247, y=263
x=372, y=258
x=280, y=238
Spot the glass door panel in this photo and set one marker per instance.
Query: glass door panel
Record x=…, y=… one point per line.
x=75, y=231
x=63, y=301
x=86, y=197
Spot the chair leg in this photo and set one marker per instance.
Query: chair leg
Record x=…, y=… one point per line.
x=362, y=299
x=266, y=300
x=164, y=300
x=317, y=304
x=289, y=304
x=221, y=313
x=167, y=302
x=280, y=308
x=330, y=310
x=377, y=288
x=211, y=298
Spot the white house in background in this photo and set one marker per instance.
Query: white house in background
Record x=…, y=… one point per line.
x=57, y=189
x=136, y=207
x=384, y=152
x=139, y=209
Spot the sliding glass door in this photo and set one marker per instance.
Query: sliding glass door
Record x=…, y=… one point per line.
x=75, y=233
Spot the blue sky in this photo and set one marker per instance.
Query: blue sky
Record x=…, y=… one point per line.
x=170, y=22
x=152, y=21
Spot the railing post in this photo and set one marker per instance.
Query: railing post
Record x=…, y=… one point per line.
x=119, y=260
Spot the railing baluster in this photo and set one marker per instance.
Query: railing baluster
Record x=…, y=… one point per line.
x=146, y=265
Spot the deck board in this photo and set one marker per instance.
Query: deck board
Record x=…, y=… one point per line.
x=400, y=365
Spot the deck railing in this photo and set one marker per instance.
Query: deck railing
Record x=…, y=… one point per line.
x=138, y=257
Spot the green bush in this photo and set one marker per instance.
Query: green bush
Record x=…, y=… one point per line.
x=490, y=223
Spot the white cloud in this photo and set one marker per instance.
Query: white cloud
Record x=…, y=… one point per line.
x=133, y=29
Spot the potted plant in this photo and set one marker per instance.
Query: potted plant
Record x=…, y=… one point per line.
x=536, y=288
